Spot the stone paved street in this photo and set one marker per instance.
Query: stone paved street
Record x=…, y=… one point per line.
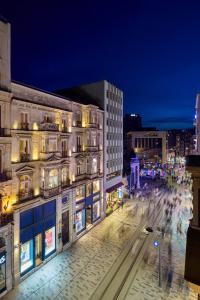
x=76, y=272
x=145, y=285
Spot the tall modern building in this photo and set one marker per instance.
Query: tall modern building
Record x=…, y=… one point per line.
x=51, y=172
x=109, y=98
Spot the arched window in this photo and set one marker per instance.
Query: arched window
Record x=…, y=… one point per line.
x=53, y=178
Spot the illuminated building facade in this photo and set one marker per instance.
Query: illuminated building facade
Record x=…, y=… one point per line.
x=51, y=177
x=149, y=146
x=109, y=98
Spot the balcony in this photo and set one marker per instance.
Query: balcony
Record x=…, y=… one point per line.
x=47, y=126
x=5, y=218
x=91, y=148
x=24, y=196
x=80, y=177
x=79, y=123
x=92, y=175
x=92, y=125
x=64, y=154
x=65, y=183
x=47, y=193
x=4, y=132
x=24, y=126
x=5, y=176
x=65, y=130
x=24, y=157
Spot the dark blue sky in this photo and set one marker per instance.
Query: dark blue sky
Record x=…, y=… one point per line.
x=148, y=48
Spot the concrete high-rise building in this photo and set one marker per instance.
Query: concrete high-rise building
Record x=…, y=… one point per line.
x=110, y=99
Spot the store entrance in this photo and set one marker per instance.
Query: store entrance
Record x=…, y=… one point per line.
x=38, y=249
x=65, y=227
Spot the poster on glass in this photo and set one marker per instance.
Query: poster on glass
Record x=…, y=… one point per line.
x=80, y=221
x=50, y=242
x=96, y=210
x=26, y=256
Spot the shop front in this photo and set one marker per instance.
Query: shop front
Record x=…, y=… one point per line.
x=2, y=271
x=88, y=209
x=114, y=196
x=37, y=235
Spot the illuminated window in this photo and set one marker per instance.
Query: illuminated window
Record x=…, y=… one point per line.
x=88, y=189
x=96, y=186
x=94, y=165
x=64, y=175
x=80, y=192
x=53, y=178
x=24, y=185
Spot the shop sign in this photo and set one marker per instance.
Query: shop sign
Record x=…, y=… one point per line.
x=2, y=258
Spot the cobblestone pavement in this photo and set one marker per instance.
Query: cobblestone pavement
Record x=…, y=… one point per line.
x=76, y=272
x=146, y=283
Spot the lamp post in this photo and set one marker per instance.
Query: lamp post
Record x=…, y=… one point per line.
x=156, y=244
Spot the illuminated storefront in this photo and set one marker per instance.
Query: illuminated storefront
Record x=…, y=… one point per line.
x=114, y=197
x=37, y=235
x=88, y=205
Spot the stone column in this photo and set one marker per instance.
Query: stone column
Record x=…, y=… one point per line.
x=16, y=247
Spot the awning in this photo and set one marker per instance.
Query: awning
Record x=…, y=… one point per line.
x=114, y=187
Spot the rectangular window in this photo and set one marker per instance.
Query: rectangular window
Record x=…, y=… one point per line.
x=52, y=144
x=80, y=221
x=96, y=210
x=88, y=189
x=50, y=241
x=96, y=186
x=80, y=192
x=26, y=256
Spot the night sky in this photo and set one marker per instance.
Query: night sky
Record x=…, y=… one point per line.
x=150, y=49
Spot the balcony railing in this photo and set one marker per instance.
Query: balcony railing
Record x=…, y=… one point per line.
x=4, y=220
x=65, y=183
x=64, y=153
x=80, y=177
x=91, y=148
x=22, y=196
x=79, y=123
x=4, y=176
x=46, y=193
x=92, y=125
x=65, y=130
x=47, y=126
x=4, y=132
x=25, y=126
x=25, y=157
x=92, y=175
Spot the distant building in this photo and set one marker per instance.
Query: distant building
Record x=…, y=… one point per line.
x=109, y=98
x=149, y=146
x=181, y=141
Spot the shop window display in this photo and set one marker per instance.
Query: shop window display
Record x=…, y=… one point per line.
x=26, y=256
x=49, y=241
x=96, y=210
x=96, y=186
x=80, y=192
x=88, y=189
x=80, y=220
x=2, y=271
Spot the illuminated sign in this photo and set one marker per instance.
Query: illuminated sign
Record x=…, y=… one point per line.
x=2, y=259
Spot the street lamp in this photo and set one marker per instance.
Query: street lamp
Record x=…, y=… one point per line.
x=156, y=244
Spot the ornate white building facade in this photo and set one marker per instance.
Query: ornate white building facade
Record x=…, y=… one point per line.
x=51, y=172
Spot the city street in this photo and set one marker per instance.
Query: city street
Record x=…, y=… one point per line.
x=81, y=271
